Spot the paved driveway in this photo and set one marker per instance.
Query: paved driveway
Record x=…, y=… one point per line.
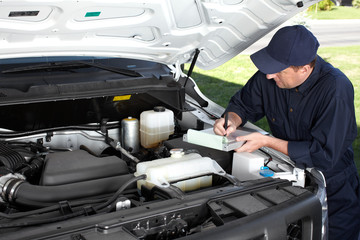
x=328, y=32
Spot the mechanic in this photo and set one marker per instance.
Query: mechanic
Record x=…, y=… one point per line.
x=309, y=106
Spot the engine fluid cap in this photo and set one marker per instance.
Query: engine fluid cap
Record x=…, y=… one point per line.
x=177, y=152
x=159, y=109
x=266, y=172
x=129, y=119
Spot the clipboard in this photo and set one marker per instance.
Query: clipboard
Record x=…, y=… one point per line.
x=207, y=138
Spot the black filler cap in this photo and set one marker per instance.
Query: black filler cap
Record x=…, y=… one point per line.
x=159, y=109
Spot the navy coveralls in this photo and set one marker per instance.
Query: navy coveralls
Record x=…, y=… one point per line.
x=317, y=118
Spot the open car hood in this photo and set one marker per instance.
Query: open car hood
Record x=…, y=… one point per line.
x=165, y=31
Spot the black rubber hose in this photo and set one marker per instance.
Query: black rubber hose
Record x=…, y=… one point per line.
x=27, y=194
x=49, y=209
x=119, y=192
x=55, y=207
x=33, y=222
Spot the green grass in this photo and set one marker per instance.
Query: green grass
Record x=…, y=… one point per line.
x=340, y=12
x=221, y=83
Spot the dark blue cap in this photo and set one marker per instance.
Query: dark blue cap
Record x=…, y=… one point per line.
x=290, y=46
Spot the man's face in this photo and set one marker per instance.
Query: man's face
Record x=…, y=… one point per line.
x=288, y=78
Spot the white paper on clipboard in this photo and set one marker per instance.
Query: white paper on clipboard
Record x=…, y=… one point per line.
x=208, y=138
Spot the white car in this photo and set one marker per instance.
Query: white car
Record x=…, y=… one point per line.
x=102, y=135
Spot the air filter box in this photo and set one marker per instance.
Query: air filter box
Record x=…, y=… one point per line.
x=77, y=166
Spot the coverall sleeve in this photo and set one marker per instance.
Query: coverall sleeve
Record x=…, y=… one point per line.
x=247, y=102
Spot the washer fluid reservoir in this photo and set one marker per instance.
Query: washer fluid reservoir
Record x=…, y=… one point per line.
x=187, y=172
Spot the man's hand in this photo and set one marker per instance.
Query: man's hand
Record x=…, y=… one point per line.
x=254, y=141
x=234, y=121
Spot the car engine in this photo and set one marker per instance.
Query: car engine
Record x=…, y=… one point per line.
x=125, y=179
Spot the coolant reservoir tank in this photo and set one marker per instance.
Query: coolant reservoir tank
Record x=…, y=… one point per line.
x=188, y=172
x=156, y=126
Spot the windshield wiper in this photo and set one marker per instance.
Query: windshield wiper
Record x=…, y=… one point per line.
x=70, y=65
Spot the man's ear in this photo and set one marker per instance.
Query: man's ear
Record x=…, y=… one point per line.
x=306, y=69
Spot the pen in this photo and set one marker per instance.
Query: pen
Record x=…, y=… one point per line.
x=226, y=122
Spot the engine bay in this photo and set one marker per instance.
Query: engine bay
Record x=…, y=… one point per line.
x=73, y=165
x=54, y=176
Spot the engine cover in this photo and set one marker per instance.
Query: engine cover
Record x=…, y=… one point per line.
x=77, y=166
